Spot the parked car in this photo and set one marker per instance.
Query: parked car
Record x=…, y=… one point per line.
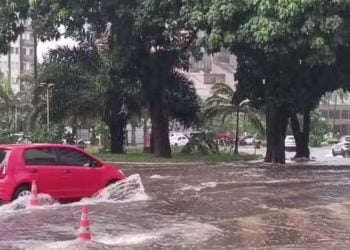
x=247, y=140
x=178, y=141
x=65, y=172
x=342, y=147
x=289, y=143
x=175, y=134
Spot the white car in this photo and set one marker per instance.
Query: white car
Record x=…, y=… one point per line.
x=342, y=147
x=289, y=143
x=178, y=141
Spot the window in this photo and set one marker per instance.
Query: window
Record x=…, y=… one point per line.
x=12, y=50
x=31, y=52
x=71, y=157
x=344, y=114
x=40, y=156
x=24, y=51
x=16, y=50
x=4, y=156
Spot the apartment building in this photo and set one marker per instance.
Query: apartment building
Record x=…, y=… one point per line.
x=211, y=69
x=19, y=59
x=337, y=114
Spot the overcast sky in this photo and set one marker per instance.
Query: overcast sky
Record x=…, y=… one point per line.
x=44, y=47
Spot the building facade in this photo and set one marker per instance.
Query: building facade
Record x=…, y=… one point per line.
x=19, y=59
x=338, y=115
x=211, y=69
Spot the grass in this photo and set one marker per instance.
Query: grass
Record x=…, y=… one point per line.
x=137, y=155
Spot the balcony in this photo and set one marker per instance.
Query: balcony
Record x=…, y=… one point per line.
x=213, y=78
x=28, y=58
x=28, y=43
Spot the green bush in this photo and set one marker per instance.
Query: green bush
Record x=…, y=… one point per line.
x=7, y=138
x=43, y=135
x=318, y=128
x=316, y=140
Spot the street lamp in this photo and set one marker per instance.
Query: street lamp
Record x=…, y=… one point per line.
x=48, y=86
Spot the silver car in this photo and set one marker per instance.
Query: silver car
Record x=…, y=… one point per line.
x=342, y=147
x=289, y=143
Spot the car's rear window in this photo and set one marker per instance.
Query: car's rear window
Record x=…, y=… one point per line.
x=4, y=156
x=40, y=156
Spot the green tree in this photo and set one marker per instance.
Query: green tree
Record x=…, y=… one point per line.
x=282, y=47
x=149, y=38
x=318, y=128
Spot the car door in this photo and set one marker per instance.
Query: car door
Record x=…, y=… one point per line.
x=41, y=166
x=87, y=174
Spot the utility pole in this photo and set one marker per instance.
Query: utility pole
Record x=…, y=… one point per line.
x=48, y=86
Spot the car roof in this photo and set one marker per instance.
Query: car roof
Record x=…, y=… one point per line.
x=36, y=145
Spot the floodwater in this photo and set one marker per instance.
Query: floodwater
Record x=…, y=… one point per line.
x=249, y=206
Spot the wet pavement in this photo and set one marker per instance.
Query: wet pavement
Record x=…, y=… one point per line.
x=224, y=206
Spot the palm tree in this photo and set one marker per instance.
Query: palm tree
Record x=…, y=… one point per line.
x=224, y=103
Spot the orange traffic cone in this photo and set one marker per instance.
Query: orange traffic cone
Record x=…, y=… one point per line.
x=33, y=198
x=84, y=231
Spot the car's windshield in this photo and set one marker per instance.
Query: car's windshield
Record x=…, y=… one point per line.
x=346, y=139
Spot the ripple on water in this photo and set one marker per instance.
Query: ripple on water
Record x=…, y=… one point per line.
x=186, y=234
x=157, y=176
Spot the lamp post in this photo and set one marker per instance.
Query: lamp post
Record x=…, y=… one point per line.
x=48, y=86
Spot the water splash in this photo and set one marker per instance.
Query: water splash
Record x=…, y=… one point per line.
x=127, y=190
x=130, y=189
x=188, y=232
x=22, y=202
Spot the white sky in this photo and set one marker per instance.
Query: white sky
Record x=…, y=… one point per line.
x=44, y=47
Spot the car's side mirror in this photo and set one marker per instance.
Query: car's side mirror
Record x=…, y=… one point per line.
x=94, y=164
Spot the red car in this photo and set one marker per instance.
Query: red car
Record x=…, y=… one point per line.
x=65, y=172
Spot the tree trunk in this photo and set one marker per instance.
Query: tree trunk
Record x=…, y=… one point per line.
x=35, y=56
x=117, y=130
x=160, y=129
x=276, y=127
x=151, y=143
x=334, y=116
x=301, y=135
x=237, y=131
x=9, y=68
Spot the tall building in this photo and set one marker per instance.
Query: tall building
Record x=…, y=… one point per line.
x=211, y=69
x=336, y=111
x=19, y=59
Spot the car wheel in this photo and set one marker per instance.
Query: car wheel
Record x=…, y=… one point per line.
x=22, y=191
x=342, y=153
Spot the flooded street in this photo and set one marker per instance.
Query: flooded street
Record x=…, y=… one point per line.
x=247, y=206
